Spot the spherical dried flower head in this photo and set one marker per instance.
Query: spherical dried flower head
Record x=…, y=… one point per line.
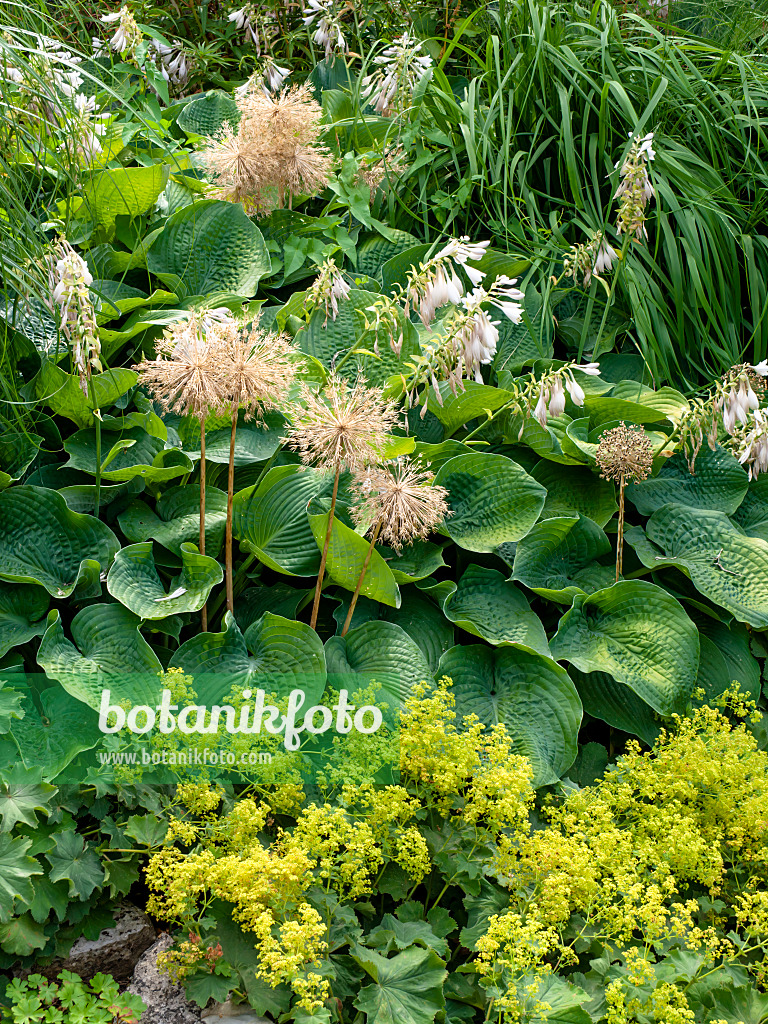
x=239, y=166
x=624, y=454
x=402, y=501
x=344, y=426
x=185, y=376
x=257, y=367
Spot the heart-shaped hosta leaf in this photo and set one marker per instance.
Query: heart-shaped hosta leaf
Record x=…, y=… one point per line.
x=347, y=552
x=280, y=598
x=208, y=114
x=135, y=582
x=379, y=652
x=634, y=403
x=726, y=657
x=126, y=455
x=210, y=246
x=63, y=393
x=726, y=566
x=487, y=605
x=629, y=631
x=123, y=191
x=573, y=491
x=51, y=740
x=718, y=483
x=373, y=251
x=752, y=513
x=176, y=519
x=492, y=498
x=106, y=651
x=270, y=519
x=42, y=541
x=558, y=559
x=254, y=441
x=415, y=562
x=424, y=623
x=529, y=694
x=275, y=655
x=605, y=699
x=329, y=340
x=454, y=411
x=407, y=988
x=17, y=452
x=22, y=614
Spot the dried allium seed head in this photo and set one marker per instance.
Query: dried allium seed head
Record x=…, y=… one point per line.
x=402, y=500
x=343, y=426
x=257, y=367
x=624, y=454
x=185, y=377
x=241, y=168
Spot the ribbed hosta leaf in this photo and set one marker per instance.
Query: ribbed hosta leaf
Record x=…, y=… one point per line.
x=43, y=541
x=175, y=519
x=615, y=703
x=379, y=652
x=474, y=400
x=489, y=606
x=718, y=483
x=208, y=114
x=275, y=654
x=106, y=650
x=63, y=394
x=629, y=631
x=22, y=614
x=726, y=658
x=493, y=500
x=724, y=564
x=752, y=513
x=531, y=695
x=67, y=727
x=558, y=559
x=572, y=490
x=347, y=552
x=126, y=455
x=134, y=581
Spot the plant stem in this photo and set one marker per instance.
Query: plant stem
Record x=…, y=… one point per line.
x=620, y=533
x=204, y=609
x=366, y=563
x=324, y=557
x=97, y=422
x=230, y=496
x=614, y=281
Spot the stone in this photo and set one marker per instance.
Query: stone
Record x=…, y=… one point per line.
x=165, y=1000
x=116, y=951
x=229, y=1013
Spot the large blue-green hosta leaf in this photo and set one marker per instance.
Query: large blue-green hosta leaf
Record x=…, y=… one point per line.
x=134, y=581
x=615, y=703
x=724, y=564
x=175, y=520
x=63, y=394
x=528, y=693
x=637, y=633
x=52, y=741
x=22, y=614
x=379, y=652
x=559, y=559
x=718, y=483
x=106, y=651
x=493, y=500
x=210, y=246
x=43, y=541
x=347, y=552
x=726, y=658
x=126, y=455
x=575, y=490
x=274, y=654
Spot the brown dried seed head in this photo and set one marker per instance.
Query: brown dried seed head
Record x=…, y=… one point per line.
x=403, y=501
x=624, y=454
x=257, y=367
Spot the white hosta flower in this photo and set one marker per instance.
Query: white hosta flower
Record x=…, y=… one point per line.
x=575, y=390
x=605, y=258
x=480, y=339
x=399, y=69
x=173, y=62
x=327, y=289
x=128, y=35
x=70, y=280
x=328, y=33
x=540, y=409
x=274, y=76
x=753, y=450
x=635, y=188
x=507, y=297
x=761, y=368
x=556, y=404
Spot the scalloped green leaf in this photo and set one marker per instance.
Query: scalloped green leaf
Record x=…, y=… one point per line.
x=275, y=654
x=106, y=650
x=379, y=652
x=347, y=552
x=718, y=483
x=208, y=114
x=487, y=605
x=63, y=394
x=724, y=564
x=43, y=541
x=493, y=500
x=528, y=693
x=270, y=519
x=22, y=794
x=175, y=520
x=16, y=871
x=628, y=630
x=407, y=988
x=52, y=738
x=572, y=491
x=77, y=862
x=127, y=454
x=558, y=559
x=22, y=614
x=210, y=246
x=134, y=581
x=615, y=703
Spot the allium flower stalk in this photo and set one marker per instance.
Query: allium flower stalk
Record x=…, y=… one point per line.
x=256, y=369
x=343, y=427
x=275, y=151
x=128, y=36
x=400, y=505
x=635, y=188
x=326, y=15
x=185, y=378
x=624, y=456
x=593, y=258
x=328, y=287
x=399, y=69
